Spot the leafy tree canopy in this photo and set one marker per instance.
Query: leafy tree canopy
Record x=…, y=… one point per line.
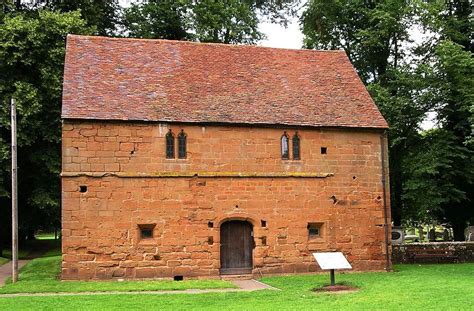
x=32, y=48
x=226, y=21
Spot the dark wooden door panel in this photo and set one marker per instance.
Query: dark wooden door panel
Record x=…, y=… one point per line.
x=236, y=246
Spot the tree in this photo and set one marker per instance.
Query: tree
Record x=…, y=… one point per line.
x=456, y=84
x=157, y=19
x=32, y=47
x=432, y=177
x=226, y=21
x=371, y=32
x=449, y=51
x=103, y=15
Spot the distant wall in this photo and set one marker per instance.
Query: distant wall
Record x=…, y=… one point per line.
x=458, y=251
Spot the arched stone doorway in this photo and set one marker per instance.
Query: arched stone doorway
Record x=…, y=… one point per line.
x=236, y=247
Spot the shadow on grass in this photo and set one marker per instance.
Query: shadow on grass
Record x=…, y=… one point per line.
x=36, y=248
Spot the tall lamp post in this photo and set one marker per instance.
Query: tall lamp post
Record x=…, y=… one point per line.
x=14, y=195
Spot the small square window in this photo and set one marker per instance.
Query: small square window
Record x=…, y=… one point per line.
x=324, y=150
x=314, y=230
x=146, y=231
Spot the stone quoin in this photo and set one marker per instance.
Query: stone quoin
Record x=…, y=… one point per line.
x=197, y=160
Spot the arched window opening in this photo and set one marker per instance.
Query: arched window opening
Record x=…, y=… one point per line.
x=170, y=145
x=182, y=145
x=285, y=153
x=296, y=147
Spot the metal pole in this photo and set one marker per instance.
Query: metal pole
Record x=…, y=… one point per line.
x=385, y=186
x=14, y=195
x=333, y=279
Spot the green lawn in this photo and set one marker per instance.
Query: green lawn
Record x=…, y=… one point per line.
x=45, y=236
x=41, y=275
x=410, y=287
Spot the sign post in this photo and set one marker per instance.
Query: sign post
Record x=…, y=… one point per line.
x=332, y=261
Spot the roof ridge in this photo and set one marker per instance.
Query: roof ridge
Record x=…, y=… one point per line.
x=228, y=45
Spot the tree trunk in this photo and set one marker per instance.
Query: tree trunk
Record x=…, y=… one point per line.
x=30, y=235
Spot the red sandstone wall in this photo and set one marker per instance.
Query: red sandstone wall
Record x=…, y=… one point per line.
x=100, y=233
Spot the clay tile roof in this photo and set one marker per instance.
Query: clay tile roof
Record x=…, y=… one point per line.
x=176, y=81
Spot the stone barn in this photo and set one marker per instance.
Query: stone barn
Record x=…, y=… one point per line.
x=195, y=160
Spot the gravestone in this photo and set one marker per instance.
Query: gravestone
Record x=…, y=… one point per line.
x=469, y=234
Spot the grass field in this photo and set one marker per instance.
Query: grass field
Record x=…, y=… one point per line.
x=41, y=275
x=45, y=236
x=410, y=287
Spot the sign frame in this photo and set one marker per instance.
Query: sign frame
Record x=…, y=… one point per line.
x=332, y=261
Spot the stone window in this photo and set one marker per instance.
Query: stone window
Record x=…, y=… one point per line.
x=170, y=145
x=182, y=145
x=314, y=230
x=285, y=152
x=296, y=147
x=146, y=231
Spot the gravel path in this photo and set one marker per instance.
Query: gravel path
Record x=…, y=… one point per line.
x=6, y=270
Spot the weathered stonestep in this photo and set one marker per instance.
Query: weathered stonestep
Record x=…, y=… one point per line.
x=231, y=277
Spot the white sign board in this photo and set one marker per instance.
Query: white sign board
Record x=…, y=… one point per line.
x=333, y=260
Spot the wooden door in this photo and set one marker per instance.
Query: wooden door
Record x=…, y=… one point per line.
x=236, y=247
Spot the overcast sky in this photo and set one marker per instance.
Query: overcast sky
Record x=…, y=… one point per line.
x=281, y=37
